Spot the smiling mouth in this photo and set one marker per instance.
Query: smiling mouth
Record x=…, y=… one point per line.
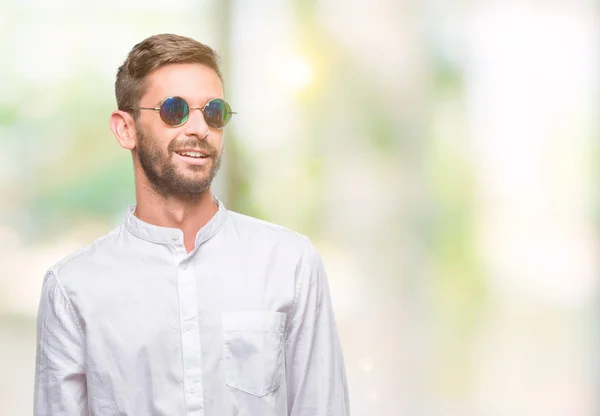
x=193, y=158
x=196, y=155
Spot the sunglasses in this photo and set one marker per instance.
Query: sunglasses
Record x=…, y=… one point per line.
x=175, y=111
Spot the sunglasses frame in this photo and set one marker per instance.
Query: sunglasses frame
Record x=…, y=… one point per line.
x=189, y=109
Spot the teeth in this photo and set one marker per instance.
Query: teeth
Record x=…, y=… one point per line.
x=192, y=154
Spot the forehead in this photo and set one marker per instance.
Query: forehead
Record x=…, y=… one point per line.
x=196, y=83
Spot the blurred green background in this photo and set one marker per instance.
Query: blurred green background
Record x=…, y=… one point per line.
x=442, y=156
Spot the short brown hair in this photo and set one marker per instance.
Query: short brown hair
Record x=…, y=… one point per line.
x=151, y=54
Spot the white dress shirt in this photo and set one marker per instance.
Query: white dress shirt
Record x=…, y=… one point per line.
x=242, y=325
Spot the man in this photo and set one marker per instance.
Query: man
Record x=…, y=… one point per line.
x=187, y=308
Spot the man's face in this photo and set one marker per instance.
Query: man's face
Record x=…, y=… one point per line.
x=159, y=146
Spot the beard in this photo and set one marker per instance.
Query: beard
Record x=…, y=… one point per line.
x=166, y=178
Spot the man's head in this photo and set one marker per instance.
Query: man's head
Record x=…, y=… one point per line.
x=159, y=67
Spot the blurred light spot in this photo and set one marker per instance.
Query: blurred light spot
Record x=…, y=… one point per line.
x=373, y=395
x=297, y=73
x=531, y=150
x=366, y=364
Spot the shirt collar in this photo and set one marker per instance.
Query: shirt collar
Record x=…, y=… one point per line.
x=167, y=235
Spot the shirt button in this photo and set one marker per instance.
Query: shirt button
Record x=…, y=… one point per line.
x=175, y=237
x=184, y=266
x=194, y=388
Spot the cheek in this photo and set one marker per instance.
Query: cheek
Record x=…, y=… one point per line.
x=155, y=136
x=165, y=140
x=218, y=143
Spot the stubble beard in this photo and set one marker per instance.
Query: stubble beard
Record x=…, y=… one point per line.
x=162, y=173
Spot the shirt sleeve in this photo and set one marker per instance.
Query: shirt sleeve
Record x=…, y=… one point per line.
x=60, y=382
x=316, y=377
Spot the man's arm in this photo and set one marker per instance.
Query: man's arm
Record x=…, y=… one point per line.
x=316, y=377
x=60, y=383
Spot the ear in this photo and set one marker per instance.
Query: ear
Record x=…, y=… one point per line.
x=123, y=127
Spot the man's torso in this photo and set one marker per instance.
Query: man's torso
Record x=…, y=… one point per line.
x=171, y=333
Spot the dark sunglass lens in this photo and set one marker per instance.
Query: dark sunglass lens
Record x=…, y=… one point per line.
x=174, y=111
x=217, y=113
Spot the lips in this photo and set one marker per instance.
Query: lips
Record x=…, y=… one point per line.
x=194, y=157
x=195, y=153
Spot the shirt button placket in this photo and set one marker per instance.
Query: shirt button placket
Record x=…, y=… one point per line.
x=190, y=338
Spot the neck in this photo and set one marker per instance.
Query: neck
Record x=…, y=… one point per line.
x=187, y=215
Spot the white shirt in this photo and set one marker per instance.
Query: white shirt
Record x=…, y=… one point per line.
x=242, y=325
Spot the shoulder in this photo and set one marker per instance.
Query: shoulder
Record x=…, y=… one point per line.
x=256, y=234
x=78, y=263
x=248, y=227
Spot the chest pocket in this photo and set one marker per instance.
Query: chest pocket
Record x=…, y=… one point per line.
x=253, y=350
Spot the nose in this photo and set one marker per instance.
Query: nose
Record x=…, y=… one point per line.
x=195, y=125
